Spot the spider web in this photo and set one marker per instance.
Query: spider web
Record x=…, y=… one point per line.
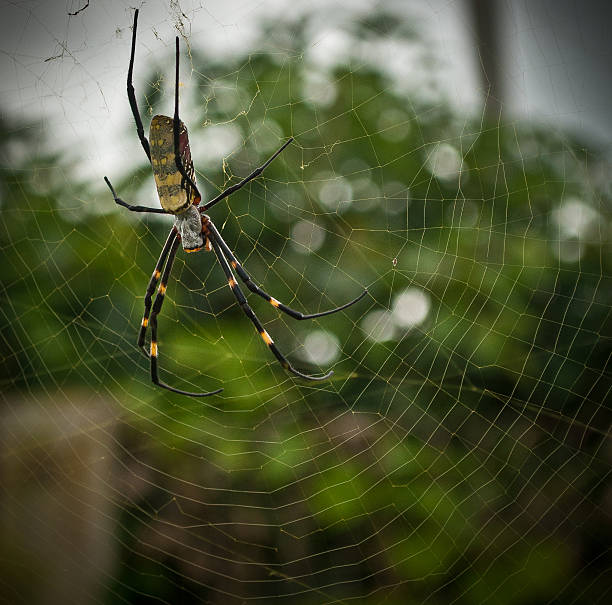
x=459, y=454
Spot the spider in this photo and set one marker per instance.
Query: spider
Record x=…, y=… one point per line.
x=170, y=157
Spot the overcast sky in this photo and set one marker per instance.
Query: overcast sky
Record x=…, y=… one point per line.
x=72, y=68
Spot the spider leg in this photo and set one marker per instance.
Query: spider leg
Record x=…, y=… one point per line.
x=246, y=179
x=177, y=155
x=157, y=305
x=244, y=305
x=132, y=96
x=151, y=288
x=244, y=276
x=119, y=201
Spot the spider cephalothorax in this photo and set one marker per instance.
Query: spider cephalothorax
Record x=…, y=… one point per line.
x=170, y=156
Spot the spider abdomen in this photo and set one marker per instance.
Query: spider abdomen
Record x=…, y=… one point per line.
x=174, y=193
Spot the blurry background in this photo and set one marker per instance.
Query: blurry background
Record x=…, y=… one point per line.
x=454, y=159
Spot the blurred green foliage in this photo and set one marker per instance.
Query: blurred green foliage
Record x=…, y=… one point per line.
x=453, y=463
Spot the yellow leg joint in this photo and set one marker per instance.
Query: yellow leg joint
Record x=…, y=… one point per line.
x=266, y=338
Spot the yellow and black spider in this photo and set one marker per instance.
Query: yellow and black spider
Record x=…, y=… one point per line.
x=170, y=157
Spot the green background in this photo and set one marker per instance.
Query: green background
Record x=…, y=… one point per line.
x=465, y=460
